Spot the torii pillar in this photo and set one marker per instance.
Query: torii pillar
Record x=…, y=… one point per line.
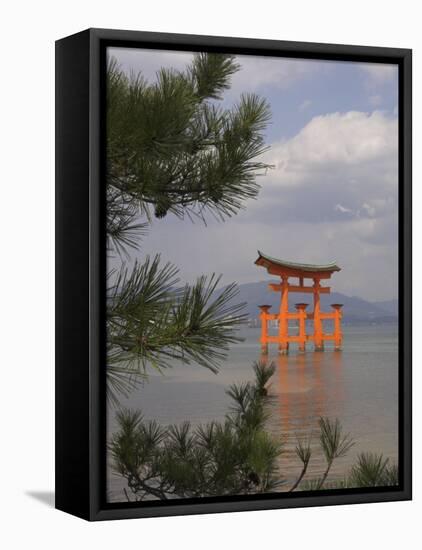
x=283, y=322
x=318, y=330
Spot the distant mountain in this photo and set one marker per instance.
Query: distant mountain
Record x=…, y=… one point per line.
x=392, y=306
x=355, y=309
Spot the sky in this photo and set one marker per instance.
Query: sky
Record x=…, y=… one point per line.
x=333, y=192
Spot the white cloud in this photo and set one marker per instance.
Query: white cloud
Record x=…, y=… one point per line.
x=335, y=188
x=340, y=208
x=257, y=72
x=379, y=73
x=370, y=210
x=337, y=143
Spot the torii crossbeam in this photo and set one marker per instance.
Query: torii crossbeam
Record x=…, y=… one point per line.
x=286, y=270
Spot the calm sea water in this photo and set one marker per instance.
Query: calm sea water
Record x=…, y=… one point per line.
x=358, y=385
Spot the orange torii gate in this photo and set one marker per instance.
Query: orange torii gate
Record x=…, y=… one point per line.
x=285, y=270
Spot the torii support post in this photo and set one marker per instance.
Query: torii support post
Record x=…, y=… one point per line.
x=283, y=323
x=264, y=328
x=318, y=332
x=301, y=309
x=338, y=335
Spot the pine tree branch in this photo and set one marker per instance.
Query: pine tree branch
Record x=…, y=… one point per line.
x=170, y=147
x=236, y=456
x=152, y=322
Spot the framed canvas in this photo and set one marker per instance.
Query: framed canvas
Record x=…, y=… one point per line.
x=233, y=274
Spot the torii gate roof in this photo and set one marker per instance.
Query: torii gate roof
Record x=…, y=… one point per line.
x=273, y=265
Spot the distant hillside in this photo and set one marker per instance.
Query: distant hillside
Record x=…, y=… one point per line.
x=389, y=305
x=355, y=310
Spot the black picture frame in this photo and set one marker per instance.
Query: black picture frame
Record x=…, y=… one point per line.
x=80, y=272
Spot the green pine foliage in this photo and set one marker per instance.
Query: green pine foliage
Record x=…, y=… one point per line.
x=369, y=470
x=333, y=442
x=172, y=148
x=233, y=457
x=373, y=470
x=153, y=322
x=304, y=453
x=263, y=373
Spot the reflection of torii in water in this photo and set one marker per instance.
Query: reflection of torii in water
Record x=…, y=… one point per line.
x=301, y=271
x=307, y=387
